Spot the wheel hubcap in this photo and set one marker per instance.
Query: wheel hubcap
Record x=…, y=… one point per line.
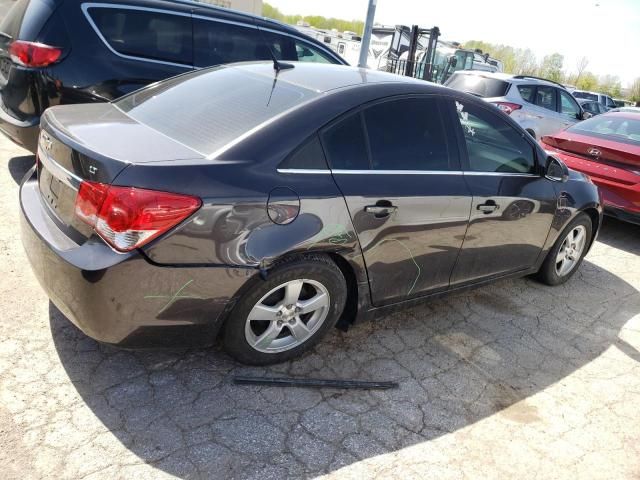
x=571, y=250
x=287, y=316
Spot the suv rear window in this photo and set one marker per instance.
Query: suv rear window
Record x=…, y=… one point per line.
x=153, y=35
x=209, y=109
x=479, y=85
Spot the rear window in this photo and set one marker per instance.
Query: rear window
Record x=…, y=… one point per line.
x=152, y=35
x=478, y=85
x=619, y=128
x=586, y=96
x=209, y=109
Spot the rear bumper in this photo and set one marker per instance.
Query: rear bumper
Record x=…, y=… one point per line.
x=123, y=299
x=24, y=134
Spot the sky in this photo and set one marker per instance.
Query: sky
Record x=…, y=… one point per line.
x=605, y=31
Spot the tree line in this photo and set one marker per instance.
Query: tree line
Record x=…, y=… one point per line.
x=522, y=61
x=317, y=21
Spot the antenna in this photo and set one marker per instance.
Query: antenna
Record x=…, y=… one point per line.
x=277, y=64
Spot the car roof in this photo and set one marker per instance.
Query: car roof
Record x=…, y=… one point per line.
x=323, y=77
x=508, y=77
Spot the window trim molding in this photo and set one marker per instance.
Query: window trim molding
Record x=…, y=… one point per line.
x=113, y=6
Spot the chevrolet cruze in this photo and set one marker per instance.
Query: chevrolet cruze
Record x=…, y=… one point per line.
x=299, y=198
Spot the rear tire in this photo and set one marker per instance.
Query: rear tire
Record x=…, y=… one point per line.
x=566, y=256
x=288, y=313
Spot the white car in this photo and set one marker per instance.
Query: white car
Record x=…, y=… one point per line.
x=540, y=106
x=604, y=100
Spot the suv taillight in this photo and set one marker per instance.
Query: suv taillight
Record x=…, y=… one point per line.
x=128, y=217
x=32, y=54
x=507, y=107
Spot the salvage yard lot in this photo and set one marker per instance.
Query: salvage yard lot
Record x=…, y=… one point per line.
x=515, y=380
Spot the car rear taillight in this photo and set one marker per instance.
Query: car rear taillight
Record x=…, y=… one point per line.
x=507, y=107
x=32, y=54
x=128, y=217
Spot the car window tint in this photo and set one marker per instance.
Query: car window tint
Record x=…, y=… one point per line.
x=568, y=106
x=308, y=53
x=492, y=144
x=586, y=95
x=591, y=107
x=546, y=97
x=217, y=43
x=345, y=145
x=407, y=134
x=190, y=109
x=153, y=35
x=527, y=92
x=309, y=156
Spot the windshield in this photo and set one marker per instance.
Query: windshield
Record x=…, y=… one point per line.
x=209, y=109
x=478, y=85
x=611, y=127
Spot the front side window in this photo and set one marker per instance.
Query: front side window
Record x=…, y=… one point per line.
x=407, y=134
x=546, y=97
x=568, y=106
x=307, y=53
x=492, y=144
x=152, y=35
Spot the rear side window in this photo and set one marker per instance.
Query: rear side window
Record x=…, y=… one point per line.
x=345, y=144
x=407, y=134
x=546, y=97
x=152, y=35
x=309, y=156
x=478, y=85
x=527, y=92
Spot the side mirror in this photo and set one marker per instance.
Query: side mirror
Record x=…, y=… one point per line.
x=586, y=115
x=556, y=170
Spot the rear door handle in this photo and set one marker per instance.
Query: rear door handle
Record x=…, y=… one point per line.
x=488, y=207
x=380, y=211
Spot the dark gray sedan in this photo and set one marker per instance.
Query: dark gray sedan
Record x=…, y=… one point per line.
x=299, y=198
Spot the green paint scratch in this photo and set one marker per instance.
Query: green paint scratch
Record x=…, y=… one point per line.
x=413, y=285
x=334, y=233
x=173, y=298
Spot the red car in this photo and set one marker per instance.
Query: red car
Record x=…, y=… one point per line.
x=607, y=148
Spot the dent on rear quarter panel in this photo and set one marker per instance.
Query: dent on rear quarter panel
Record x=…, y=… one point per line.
x=234, y=227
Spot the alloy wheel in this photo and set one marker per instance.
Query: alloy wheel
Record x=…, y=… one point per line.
x=287, y=316
x=571, y=250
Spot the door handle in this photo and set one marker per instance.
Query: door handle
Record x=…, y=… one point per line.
x=488, y=207
x=381, y=209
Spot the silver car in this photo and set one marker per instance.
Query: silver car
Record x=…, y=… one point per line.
x=541, y=107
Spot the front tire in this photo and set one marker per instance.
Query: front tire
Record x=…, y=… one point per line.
x=286, y=314
x=564, y=259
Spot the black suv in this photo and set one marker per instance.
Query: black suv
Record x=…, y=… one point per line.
x=70, y=51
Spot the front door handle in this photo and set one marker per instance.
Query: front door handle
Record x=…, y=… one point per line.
x=381, y=209
x=489, y=206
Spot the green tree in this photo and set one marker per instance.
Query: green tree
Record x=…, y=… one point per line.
x=610, y=84
x=316, y=21
x=551, y=67
x=588, y=81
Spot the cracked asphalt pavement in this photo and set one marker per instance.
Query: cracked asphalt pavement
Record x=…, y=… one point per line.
x=514, y=380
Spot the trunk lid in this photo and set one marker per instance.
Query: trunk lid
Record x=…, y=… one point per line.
x=94, y=143
x=596, y=149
